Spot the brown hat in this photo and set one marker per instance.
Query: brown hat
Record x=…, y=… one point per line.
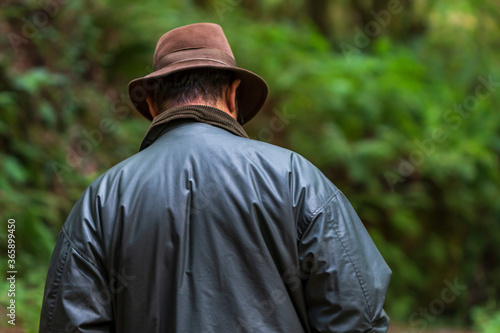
x=200, y=45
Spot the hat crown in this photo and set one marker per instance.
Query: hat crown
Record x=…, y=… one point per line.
x=193, y=36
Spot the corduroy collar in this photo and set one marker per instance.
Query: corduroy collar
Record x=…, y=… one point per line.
x=201, y=113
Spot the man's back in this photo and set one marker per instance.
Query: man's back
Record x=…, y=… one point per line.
x=205, y=231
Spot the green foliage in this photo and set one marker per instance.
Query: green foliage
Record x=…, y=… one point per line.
x=486, y=320
x=396, y=124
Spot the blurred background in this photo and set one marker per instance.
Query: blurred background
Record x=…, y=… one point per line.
x=396, y=101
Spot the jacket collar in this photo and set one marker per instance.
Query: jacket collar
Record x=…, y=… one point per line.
x=201, y=113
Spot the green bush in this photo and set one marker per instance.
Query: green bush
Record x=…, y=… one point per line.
x=486, y=320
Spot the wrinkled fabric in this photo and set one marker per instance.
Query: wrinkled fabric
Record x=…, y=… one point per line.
x=207, y=231
x=202, y=113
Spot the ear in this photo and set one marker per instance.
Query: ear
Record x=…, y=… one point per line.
x=153, y=107
x=231, y=96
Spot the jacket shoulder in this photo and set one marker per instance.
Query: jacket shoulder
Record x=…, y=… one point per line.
x=309, y=188
x=88, y=212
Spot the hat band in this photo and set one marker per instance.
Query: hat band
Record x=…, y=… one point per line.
x=205, y=54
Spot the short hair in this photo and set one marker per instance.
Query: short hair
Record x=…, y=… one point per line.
x=192, y=85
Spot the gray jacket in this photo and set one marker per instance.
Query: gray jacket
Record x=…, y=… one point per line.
x=206, y=231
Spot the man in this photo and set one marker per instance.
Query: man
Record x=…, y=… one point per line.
x=205, y=230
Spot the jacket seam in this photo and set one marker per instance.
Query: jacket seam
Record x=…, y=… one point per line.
x=320, y=208
x=84, y=257
x=56, y=284
x=358, y=276
x=315, y=213
x=360, y=281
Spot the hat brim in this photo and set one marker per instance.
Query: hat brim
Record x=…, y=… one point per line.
x=252, y=92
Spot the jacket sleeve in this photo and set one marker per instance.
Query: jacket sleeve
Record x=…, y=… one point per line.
x=346, y=278
x=77, y=296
